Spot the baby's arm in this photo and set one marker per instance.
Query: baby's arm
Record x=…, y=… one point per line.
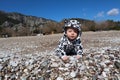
x=60, y=49
x=61, y=53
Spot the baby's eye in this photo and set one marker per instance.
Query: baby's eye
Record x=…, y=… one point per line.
x=70, y=31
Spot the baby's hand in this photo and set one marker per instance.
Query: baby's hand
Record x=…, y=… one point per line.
x=65, y=58
x=78, y=56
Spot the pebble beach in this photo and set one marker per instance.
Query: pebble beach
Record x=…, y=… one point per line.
x=33, y=58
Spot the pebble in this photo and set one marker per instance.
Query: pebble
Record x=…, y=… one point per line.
x=117, y=64
x=49, y=67
x=60, y=78
x=73, y=74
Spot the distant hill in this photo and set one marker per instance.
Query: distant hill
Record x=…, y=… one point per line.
x=6, y=19
x=17, y=24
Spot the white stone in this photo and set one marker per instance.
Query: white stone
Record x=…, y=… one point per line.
x=111, y=66
x=72, y=58
x=67, y=65
x=106, y=69
x=73, y=74
x=103, y=64
x=83, y=67
x=60, y=78
x=61, y=68
x=54, y=65
x=67, y=73
x=85, y=78
x=13, y=63
x=104, y=74
x=107, y=61
x=26, y=70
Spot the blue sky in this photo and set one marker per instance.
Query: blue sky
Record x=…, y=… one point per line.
x=60, y=9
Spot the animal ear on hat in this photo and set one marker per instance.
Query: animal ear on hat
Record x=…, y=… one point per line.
x=65, y=21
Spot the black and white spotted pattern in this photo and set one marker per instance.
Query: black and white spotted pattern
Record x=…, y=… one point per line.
x=65, y=45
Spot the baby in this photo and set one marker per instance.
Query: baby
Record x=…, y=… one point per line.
x=70, y=43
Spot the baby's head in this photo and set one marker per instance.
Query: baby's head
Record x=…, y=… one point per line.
x=72, y=29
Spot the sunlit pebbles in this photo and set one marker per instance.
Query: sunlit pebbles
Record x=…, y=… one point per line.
x=32, y=58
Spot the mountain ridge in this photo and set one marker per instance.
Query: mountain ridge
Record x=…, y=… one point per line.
x=17, y=24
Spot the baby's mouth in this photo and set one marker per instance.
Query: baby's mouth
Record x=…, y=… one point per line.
x=72, y=36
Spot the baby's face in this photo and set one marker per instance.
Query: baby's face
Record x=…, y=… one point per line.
x=71, y=33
